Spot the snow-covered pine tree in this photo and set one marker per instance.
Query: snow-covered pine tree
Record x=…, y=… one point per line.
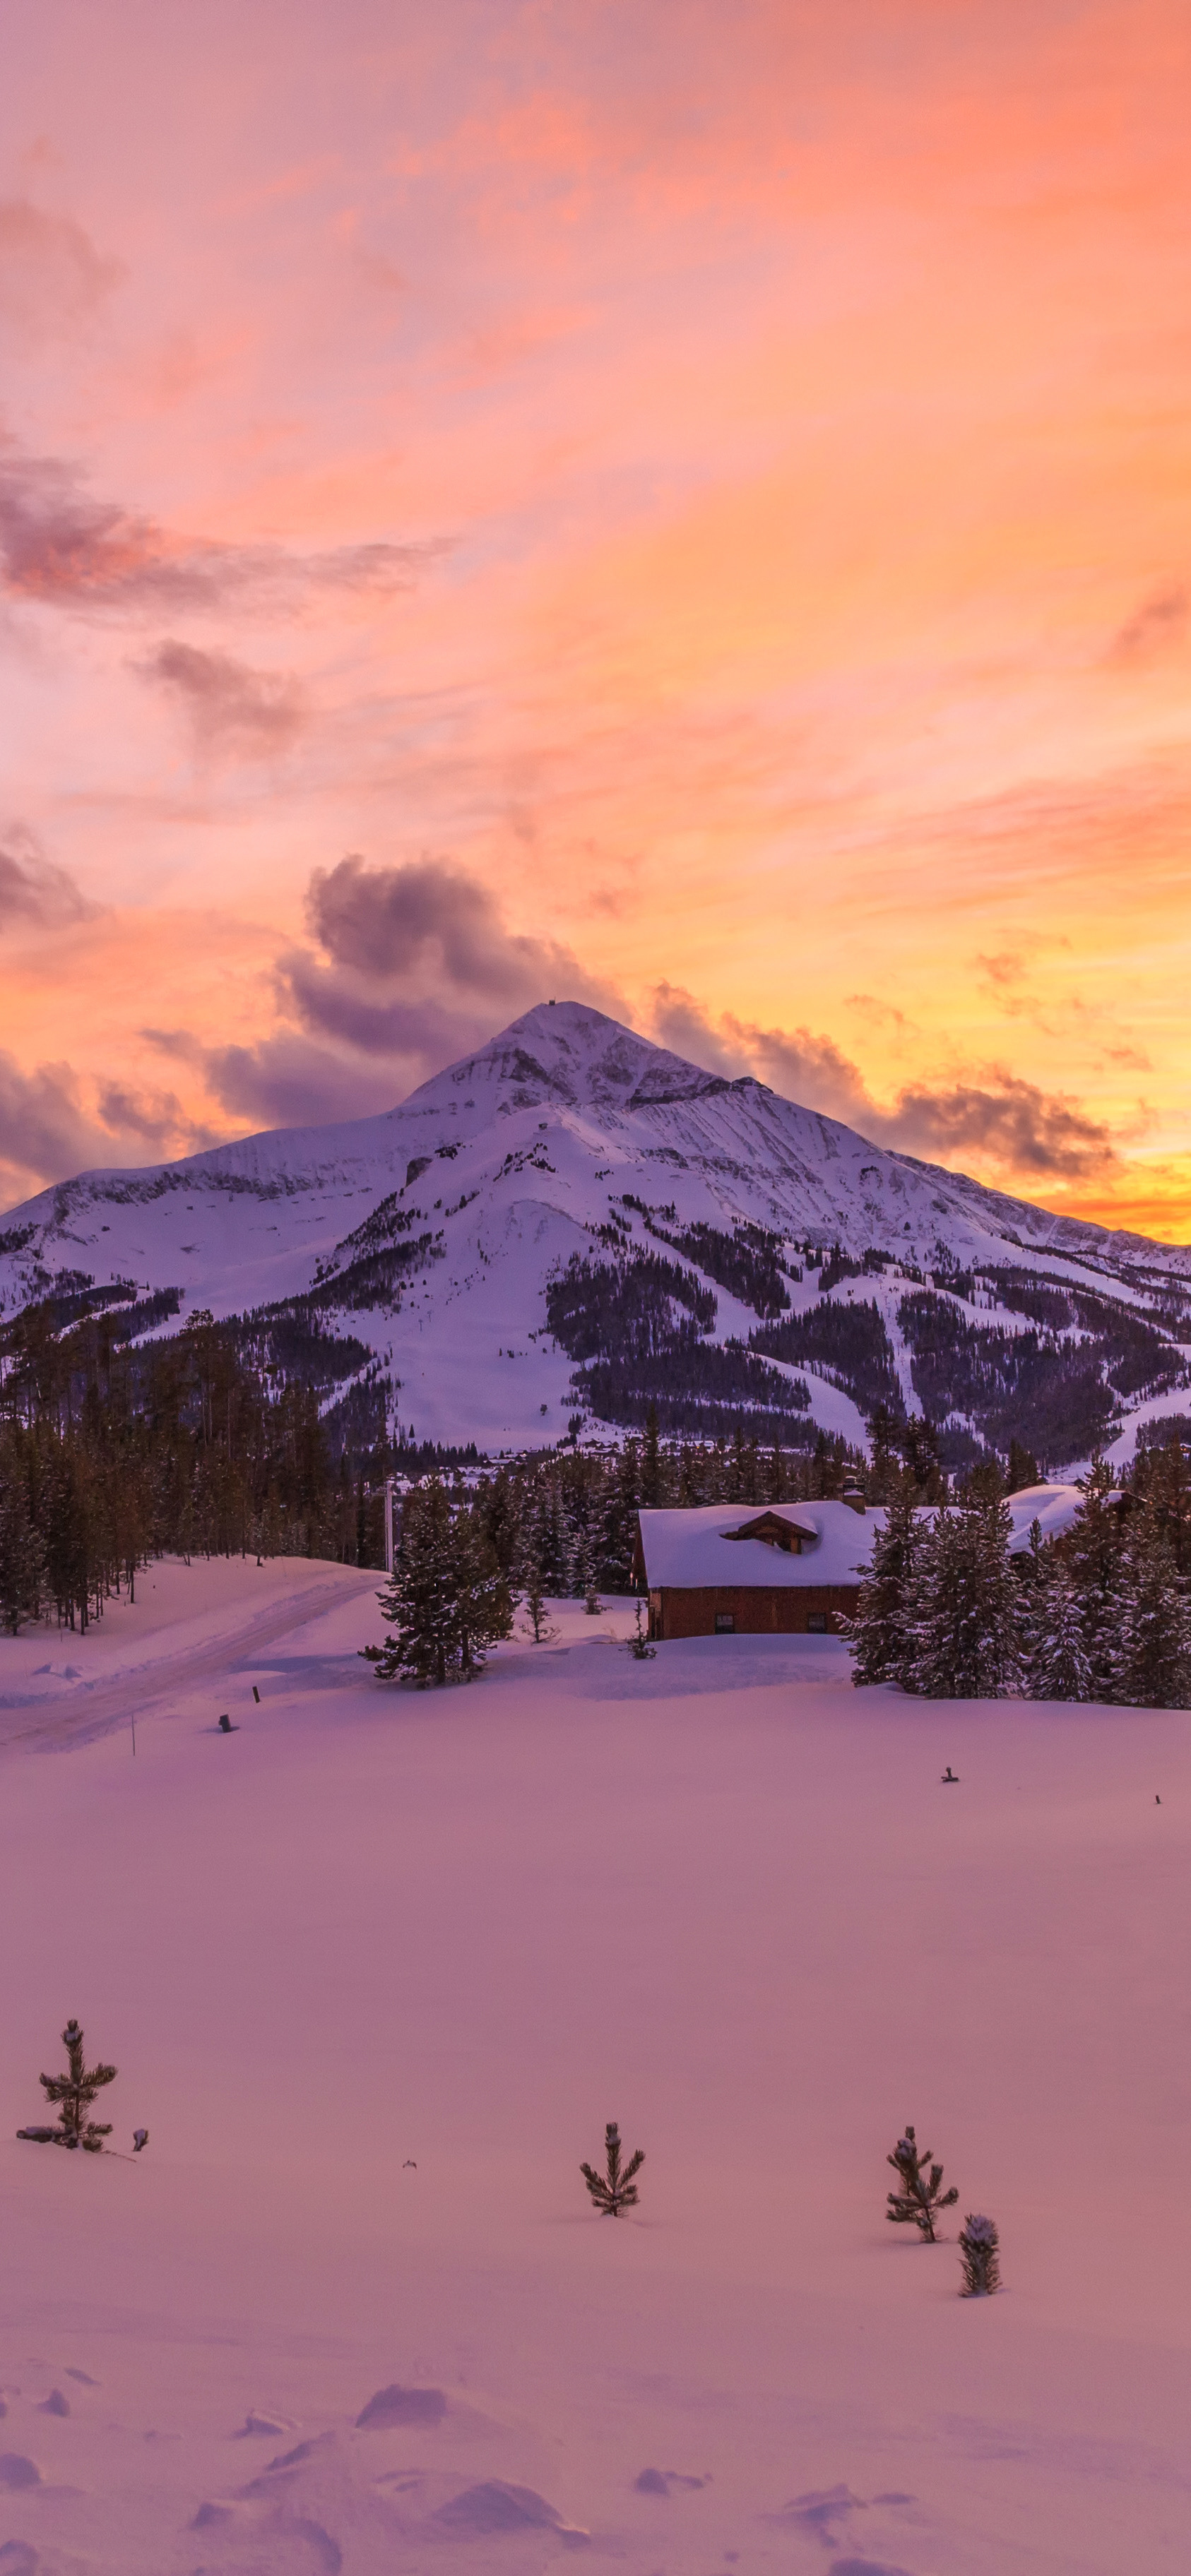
x=979, y=2246
x=877, y=1627
x=74, y=2092
x=448, y=1600
x=483, y=1608
x=1150, y=1664
x=587, y=1576
x=1093, y=1556
x=1054, y=1651
x=962, y=1621
x=920, y=2199
x=536, y=1623
x=615, y=2190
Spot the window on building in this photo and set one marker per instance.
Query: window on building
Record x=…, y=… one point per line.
x=725, y=1623
x=816, y=1621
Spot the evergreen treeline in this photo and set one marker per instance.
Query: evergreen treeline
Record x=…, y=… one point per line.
x=112, y=1453
x=1101, y=1613
x=847, y=1343
x=638, y=1327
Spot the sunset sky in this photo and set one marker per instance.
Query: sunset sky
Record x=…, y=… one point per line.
x=684, y=504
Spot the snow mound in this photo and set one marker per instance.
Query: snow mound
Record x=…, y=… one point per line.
x=402, y=2406
x=481, y=2512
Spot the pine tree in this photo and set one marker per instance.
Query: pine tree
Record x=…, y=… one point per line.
x=979, y=2246
x=615, y=2190
x=963, y=1619
x=885, y=1462
x=483, y=1611
x=920, y=1449
x=639, y=1647
x=1150, y=1661
x=920, y=2200
x=534, y=1605
x=1023, y=1468
x=877, y=1629
x=75, y=2091
x=448, y=1600
x=651, y=1462
x=1055, y=1655
x=587, y=1571
x=22, y=1555
x=1093, y=1552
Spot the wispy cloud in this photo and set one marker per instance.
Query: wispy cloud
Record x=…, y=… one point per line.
x=35, y=894
x=52, y=277
x=61, y=547
x=1157, y=625
x=230, y=706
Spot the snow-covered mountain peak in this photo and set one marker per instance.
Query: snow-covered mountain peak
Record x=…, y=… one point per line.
x=566, y=1054
x=427, y=1238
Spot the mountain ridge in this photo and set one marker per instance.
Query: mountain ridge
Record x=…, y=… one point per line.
x=571, y=1139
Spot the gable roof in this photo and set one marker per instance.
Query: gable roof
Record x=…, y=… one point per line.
x=688, y=1550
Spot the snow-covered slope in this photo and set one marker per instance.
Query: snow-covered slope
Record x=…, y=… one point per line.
x=459, y=1204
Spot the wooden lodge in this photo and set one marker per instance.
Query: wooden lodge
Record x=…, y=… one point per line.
x=724, y=1569
x=787, y=1569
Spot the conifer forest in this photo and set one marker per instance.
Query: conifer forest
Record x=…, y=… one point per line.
x=214, y=1441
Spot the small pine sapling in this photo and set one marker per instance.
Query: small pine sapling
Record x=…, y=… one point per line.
x=979, y=2247
x=639, y=1647
x=75, y=2092
x=919, y=2201
x=614, y=2190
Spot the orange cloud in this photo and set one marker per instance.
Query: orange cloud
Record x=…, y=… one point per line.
x=719, y=490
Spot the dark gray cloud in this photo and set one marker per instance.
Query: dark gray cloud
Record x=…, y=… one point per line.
x=51, y=274
x=424, y=1031
x=414, y=969
x=421, y=964
x=44, y=1133
x=65, y=549
x=156, y=1119
x=286, y=1080
x=1156, y=626
x=427, y=920
x=811, y=1070
x=34, y=893
x=47, y=1132
x=1028, y=1134
x=230, y=706
x=1037, y=1134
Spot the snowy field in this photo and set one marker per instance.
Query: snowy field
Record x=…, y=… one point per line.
x=377, y=1968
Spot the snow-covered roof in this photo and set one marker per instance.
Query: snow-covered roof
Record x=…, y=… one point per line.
x=692, y=1549
x=696, y=1548
x=1053, y=1506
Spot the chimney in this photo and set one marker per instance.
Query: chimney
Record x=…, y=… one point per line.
x=853, y=1496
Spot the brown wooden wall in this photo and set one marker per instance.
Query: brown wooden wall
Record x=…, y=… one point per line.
x=757, y=1610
